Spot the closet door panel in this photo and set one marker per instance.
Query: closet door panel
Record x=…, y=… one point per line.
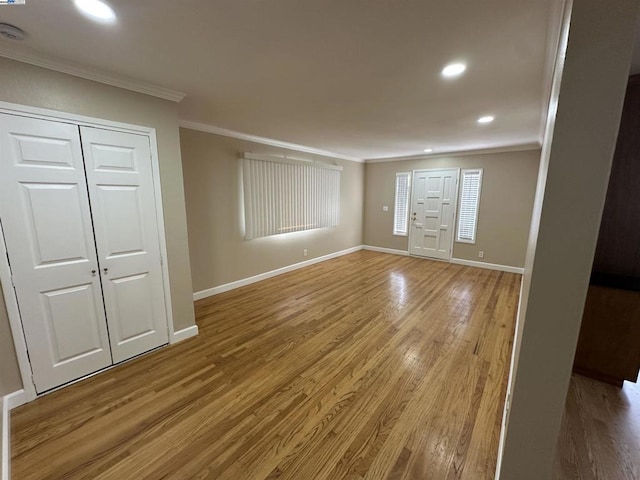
x=44, y=209
x=120, y=180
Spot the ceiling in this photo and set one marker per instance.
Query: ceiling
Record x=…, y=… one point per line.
x=356, y=77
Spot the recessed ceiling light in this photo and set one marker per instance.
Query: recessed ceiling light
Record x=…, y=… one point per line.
x=96, y=10
x=486, y=119
x=428, y=150
x=453, y=70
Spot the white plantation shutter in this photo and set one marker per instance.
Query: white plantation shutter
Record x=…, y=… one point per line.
x=285, y=195
x=401, y=209
x=469, y=203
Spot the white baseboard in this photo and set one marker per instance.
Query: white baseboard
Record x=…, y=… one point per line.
x=263, y=276
x=16, y=399
x=9, y=402
x=185, y=333
x=392, y=251
x=489, y=266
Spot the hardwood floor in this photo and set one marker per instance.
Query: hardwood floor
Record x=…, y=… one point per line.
x=365, y=366
x=600, y=435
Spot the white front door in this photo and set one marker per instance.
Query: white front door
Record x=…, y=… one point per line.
x=433, y=212
x=120, y=180
x=44, y=209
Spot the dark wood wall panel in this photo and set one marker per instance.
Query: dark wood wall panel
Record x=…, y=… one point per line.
x=608, y=348
x=618, y=251
x=609, y=344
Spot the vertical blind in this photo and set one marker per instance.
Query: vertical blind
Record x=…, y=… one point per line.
x=469, y=203
x=285, y=195
x=401, y=209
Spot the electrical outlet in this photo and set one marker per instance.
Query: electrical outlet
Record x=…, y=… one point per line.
x=304, y=252
x=385, y=208
x=481, y=254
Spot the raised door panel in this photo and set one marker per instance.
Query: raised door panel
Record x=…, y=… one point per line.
x=123, y=203
x=431, y=234
x=44, y=209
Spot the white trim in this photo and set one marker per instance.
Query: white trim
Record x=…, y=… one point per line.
x=82, y=120
x=5, y=272
x=162, y=238
x=392, y=251
x=94, y=75
x=488, y=266
x=521, y=147
x=15, y=399
x=15, y=322
x=183, y=334
x=553, y=40
x=263, y=276
x=9, y=402
x=202, y=127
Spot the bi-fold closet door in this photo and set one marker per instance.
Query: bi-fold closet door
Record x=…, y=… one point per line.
x=78, y=214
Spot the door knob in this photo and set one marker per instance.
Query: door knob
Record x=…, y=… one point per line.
x=93, y=273
x=106, y=271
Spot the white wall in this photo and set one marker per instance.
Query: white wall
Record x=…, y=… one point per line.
x=574, y=171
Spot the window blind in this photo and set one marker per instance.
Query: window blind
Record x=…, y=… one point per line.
x=401, y=209
x=469, y=203
x=285, y=195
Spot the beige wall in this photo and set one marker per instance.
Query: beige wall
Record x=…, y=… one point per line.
x=506, y=203
x=576, y=160
x=34, y=86
x=9, y=373
x=219, y=252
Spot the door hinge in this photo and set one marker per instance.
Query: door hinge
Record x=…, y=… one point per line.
x=161, y=260
x=13, y=283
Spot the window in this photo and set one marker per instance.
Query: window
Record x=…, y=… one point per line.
x=283, y=195
x=401, y=209
x=469, y=203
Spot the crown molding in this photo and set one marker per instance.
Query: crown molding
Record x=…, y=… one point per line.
x=94, y=75
x=202, y=127
x=522, y=147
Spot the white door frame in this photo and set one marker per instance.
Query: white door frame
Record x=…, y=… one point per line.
x=455, y=208
x=11, y=301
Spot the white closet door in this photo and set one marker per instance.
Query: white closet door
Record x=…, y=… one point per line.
x=45, y=216
x=120, y=180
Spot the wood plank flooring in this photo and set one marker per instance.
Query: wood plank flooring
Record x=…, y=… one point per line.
x=365, y=366
x=600, y=435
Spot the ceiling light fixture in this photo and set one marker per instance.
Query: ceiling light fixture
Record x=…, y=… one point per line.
x=428, y=150
x=486, y=119
x=453, y=70
x=96, y=10
x=11, y=32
